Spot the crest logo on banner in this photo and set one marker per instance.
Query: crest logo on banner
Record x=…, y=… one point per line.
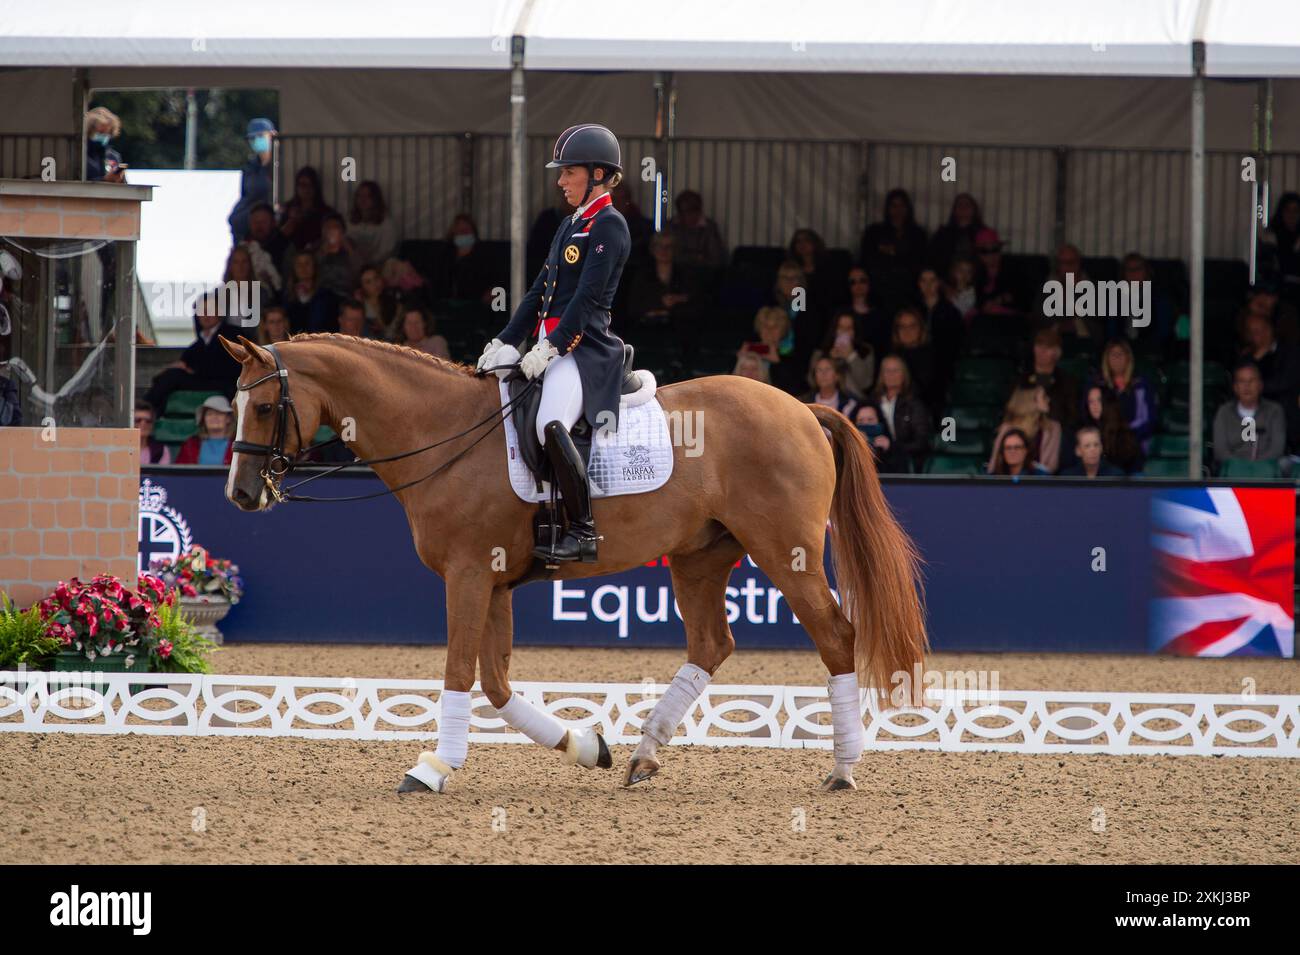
x=164, y=533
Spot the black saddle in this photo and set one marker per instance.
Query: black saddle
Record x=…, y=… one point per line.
x=524, y=416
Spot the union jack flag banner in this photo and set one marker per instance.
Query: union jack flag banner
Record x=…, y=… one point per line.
x=1224, y=572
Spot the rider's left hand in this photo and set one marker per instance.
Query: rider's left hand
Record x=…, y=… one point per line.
x=538, y=357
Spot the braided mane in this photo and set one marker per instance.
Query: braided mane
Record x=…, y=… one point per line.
x=404, y=350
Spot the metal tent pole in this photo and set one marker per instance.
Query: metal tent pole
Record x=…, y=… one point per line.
x=1197, y=257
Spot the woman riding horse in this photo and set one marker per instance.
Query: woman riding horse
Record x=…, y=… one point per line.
x=579, y=359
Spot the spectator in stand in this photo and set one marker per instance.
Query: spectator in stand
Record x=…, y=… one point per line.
x=873, y=323
x=471, y=277
x=893, y=251
x=844, y=341
x=310, y=307
x=807, y=321
x=829, y=388
x=750, y=365
x=11, y=405
x=912, y=345
x=905, y=417
x=212, y=445
x=943, y=322
x=404, y=284
x=372, y=228
x=1264, y=301
x=1251, y=427
x=274, y=327
x=697, y=238
x=152, y=451
x=103, y=163
x=1014, y=456
x=417, y=333
x=266, y=246
x=889, y=458
x=205, y=365
x=957, y=238
x=960, y=290
x=305, y=213
x=1069, y=262
x=1279, y=368
x=337, y=263
x=255, y=187
x=1135, y=397
x=546, y=225
x=352, y=319
x=1026, y=415
x=809, y=250
x=380, y=306
x=640, y=228
x=1282, y=246
x=775, y=345
x=664, y=290
x=245, y=295
x=1118, y=442
x=1090, y=463
x=1164, y=314
x=993, y=289
x=1045, y=372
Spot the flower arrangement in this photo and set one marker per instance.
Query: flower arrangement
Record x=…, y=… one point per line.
x=196, y=573
x=103, y=617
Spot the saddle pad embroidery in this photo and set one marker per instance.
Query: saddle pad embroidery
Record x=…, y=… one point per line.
x=639, y=458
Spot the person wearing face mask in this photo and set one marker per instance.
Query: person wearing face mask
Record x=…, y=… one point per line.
x=103, y=163
x=255, y=177
x=470, y=276
x=889, y=456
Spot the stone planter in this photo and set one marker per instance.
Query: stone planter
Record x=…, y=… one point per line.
x=206, y=613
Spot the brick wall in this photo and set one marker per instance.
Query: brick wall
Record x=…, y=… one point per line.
x=68, y=507
x=69, y=217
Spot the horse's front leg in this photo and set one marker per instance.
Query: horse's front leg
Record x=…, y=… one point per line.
x=469, y=597
x=585, y=747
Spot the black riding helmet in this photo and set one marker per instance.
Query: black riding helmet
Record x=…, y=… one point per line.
x=588, y=145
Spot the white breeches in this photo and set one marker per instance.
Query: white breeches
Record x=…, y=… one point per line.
x=561, y=395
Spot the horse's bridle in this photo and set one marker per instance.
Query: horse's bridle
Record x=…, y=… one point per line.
x=278, y=463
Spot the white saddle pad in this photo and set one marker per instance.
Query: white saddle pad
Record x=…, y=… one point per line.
x=637, y=459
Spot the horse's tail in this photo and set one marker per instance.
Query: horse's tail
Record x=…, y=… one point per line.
x=877, y=567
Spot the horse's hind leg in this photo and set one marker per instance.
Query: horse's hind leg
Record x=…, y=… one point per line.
x=585, y=747
x=700, y=585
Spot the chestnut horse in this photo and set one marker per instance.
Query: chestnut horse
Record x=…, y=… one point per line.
x=765, y=483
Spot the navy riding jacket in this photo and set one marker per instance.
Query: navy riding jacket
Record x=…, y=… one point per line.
x=570, y=300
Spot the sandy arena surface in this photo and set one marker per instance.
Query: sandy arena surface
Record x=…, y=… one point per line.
x=96, y=799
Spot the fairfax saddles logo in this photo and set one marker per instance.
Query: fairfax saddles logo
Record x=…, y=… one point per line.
x=103, y=908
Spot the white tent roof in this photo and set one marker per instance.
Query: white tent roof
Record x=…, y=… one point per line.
x=441, y=34
x=1252, y=38
x=1096, y=38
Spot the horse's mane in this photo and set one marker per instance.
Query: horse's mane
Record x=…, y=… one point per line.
x=404, y=350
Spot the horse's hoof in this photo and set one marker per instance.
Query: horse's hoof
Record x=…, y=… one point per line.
x=603, y=759
x=834, y=783
x=429, y=775
x=639, y=770
x=412, y=785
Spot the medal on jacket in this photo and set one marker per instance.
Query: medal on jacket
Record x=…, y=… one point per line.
x=571, y=254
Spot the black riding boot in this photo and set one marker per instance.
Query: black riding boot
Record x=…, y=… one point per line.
x=578, y=542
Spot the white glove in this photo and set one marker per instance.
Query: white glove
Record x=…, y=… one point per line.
x=506, y=355
x=538, y=357
x=488, y=358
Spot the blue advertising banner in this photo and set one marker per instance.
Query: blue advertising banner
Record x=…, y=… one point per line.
x=1009, y=567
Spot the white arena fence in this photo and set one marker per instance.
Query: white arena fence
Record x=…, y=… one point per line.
x=769, y=716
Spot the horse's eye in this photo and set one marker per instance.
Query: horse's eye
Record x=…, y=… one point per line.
x=265, y=407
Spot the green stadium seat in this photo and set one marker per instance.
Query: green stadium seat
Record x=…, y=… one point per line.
x=985, y=368
x=974, y=417
x=1165, y=467
x=965, y=392
x=966, y=443
x=174, y=430
x=1173, y=446
x=182, y=404
x=954, y=464
x=1259, y=470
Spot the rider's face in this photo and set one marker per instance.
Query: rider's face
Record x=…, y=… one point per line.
x=573, y=183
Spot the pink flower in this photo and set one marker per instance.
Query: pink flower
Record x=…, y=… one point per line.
x=188, y=590
x=164, y=648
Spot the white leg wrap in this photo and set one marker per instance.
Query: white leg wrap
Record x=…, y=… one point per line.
x=431, y=771
x=453, y=728
x=685, y=689
x=541, y=728
x=846, y=718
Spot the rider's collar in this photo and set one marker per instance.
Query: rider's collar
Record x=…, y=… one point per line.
x=594, y=206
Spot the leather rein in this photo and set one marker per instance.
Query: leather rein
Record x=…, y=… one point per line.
x=278, y=464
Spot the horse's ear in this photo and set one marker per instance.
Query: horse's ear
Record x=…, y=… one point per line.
x=257, y=351
x=236, y=351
